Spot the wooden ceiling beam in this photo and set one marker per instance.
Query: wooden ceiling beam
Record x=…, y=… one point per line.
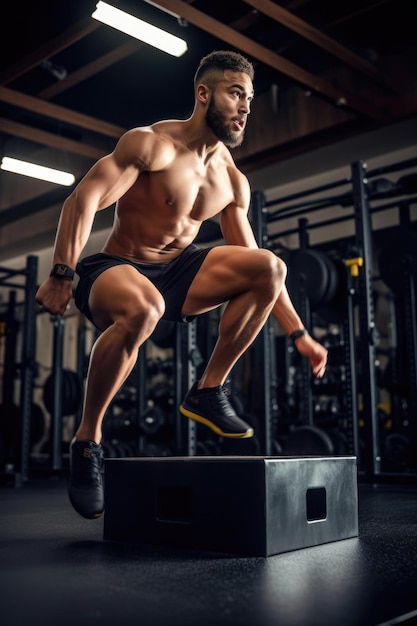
x=314, y=83
x=49, y=139
x=48, y=109
x=305, y=30
x=93, y=68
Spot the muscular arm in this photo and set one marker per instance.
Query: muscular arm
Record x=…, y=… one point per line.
x=104, y=184
x=237, y=230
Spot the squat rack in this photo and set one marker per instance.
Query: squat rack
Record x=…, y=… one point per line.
x=27, y=361
x=360, y=289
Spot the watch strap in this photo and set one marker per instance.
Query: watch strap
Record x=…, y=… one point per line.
x=62, y=271
x=298, y=333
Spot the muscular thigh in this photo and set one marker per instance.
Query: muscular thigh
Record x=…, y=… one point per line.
x=121, y=291
x=226, y=272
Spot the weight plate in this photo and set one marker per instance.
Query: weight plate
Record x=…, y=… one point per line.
x=308, y=272
x=308, y=440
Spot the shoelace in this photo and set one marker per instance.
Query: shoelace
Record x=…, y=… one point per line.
x=89, y=468
x=226, y=390
x=224, y=401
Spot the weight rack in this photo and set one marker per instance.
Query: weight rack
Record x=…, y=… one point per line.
x=359, y=294
x=18, y=471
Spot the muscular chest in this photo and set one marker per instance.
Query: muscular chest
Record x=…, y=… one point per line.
x=191, y=188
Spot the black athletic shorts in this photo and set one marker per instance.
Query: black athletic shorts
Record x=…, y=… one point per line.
x=171, y=279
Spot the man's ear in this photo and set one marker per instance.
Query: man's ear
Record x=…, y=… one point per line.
x=203, y=93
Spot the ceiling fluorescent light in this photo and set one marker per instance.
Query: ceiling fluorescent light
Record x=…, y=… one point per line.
x=37, y=171
x=139, y=29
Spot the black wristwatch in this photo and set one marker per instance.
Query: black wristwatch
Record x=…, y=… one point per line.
x=64, y=272
x=298, y=333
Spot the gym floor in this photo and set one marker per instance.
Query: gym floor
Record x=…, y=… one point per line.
x=55, y=568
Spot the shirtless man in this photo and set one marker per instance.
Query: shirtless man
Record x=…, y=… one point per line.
x=166, y=180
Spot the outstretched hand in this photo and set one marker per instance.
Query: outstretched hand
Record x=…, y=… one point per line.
x=315, y=351
x=54, y=295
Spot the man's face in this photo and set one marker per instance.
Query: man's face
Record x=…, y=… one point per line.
x=229, y=107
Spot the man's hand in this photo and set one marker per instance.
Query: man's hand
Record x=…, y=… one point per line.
x=54, y=295
x=307, y=346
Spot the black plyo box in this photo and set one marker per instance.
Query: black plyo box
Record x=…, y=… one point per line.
x=242, y=505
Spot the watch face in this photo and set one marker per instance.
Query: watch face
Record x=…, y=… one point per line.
x=60, y=269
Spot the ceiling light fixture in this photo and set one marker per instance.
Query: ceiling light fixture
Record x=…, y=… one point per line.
x=36, y=171
x=139, y=29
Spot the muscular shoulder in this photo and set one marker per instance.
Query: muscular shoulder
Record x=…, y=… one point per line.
x=147, y=147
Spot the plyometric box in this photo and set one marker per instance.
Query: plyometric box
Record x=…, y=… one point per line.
x=251, y=505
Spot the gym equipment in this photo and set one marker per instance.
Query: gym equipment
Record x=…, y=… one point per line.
x=251, y=506
x=310, y=440
x=321, y=279
x=314, y=273
x=11, y=429
x=155, y=449
x=339, y=440
x=152, y=420
x=397, y=452
x=71, y=392
x=122, y=426
x=19, y=466
x=338, y=288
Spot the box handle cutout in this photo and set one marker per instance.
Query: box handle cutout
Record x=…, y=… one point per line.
x=316, y=500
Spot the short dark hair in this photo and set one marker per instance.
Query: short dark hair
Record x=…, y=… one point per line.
x=221, y=60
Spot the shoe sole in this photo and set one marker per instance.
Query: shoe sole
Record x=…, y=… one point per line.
x=82, y=513
x=203, y=420
x=90, y=515
x=95, y=516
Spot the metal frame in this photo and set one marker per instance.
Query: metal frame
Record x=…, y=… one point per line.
x=28, y=355
x=360, y=295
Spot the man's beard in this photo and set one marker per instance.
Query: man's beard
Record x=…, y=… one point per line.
x=215, y=121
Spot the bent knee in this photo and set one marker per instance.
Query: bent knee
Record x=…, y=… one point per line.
x=136, y=315
x=143, y=316
x=274, y=268
x=281, y=268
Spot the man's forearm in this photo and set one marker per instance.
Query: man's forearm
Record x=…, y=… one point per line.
x=285, y=313
x=73, y=230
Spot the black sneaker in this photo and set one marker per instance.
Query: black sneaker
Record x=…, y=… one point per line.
x=211, y=407
x=85, y=487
